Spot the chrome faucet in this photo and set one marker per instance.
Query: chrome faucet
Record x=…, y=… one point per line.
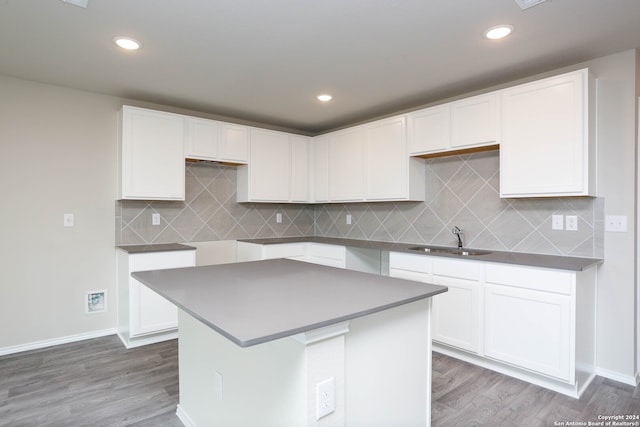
x=457, y=231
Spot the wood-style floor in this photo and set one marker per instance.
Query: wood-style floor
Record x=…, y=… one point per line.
x=99, y=383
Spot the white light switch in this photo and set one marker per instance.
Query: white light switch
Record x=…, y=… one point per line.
x=155, y=219
x=557, y=222
x=348, y=219
x=615, y=223
x=278, y=218
x=68, y=220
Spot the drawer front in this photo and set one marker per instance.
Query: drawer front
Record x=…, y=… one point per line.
x=419, y=263
x=540, y=279
x=161, y=260
x=319, y=250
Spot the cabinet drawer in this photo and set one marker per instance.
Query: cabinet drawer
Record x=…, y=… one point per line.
x=283, y=250
x=471, y=270
x=541, y=279
x=419, y=263
x=161, y=260
x=320, y=250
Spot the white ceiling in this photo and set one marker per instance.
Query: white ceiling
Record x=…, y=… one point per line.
x=266, y=60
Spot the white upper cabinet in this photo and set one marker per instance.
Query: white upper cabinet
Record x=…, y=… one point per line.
x=320, y=169
x=151, y=155
x=371, y=163
x=346, y=165
x=429, y=129
x=216, y=141
x=390, y=174
x=277, y=169
x=386, y=159
x=234, y=143
x=475, y=121
x=548, y=144
x=299, y=177
x=202, y=139
x=459, y=125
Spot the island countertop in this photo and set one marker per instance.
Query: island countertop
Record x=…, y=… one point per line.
x=255, y=302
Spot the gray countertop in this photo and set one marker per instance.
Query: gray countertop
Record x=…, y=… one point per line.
x=520, y=258
x=161, y=247
x=255, y=302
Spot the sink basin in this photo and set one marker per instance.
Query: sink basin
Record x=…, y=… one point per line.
x=449, y=251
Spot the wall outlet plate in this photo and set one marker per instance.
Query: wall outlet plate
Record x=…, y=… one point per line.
x=325, y=398
x=557, y=222
x=615, y=223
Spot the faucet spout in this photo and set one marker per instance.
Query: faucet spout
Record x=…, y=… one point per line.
x=457, y=231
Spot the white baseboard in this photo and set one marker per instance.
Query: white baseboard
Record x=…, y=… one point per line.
x=182, y=416
x=615, y=376
x=56, y=341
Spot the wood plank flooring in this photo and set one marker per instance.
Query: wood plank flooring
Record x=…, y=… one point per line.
x=99, y=383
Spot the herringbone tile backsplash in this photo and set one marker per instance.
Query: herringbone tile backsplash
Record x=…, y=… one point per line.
x=460, y=190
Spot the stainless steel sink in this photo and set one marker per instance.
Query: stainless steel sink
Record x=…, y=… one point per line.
x=449, y=251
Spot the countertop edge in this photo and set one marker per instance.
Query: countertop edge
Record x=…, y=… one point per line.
x=559, y=262
x=161, y=247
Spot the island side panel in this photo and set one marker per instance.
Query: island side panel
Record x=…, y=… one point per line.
x=260, y=385
x=388, y=368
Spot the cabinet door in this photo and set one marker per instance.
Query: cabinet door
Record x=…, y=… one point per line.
x=299, y=169
x=429, y=129
x=386, y=159
x=151, y=155
x=202, y=139
x=544, y=149
x=456, y=313
x=320, y=161
x=530, y=329
x=234, y=143
x=269, y=166
x=474, y=121
x=148, y=311
x=346, y=165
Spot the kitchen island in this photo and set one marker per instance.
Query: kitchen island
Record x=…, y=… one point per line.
x=256, y=339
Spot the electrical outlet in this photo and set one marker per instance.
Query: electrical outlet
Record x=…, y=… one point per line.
x=557, y=222
x=155, y=219
x=217, y=385
x=68, y=220
x=348, y=219
x=572, y=223
x=325, y=398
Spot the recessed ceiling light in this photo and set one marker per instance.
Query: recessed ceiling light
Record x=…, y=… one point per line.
x=498, y=32
x=127, y=43
x=324, y=97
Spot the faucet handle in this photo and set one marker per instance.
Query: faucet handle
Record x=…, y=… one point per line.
x=456, y=230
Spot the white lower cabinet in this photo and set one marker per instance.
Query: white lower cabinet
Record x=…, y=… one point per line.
x=144, y=317
x=527, y=328
x=456, y=312
x=316, y=253
x=536, y=324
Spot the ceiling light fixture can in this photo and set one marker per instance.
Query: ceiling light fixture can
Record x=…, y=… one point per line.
x=324, y=98
x=127, y=43
x=498, y=32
